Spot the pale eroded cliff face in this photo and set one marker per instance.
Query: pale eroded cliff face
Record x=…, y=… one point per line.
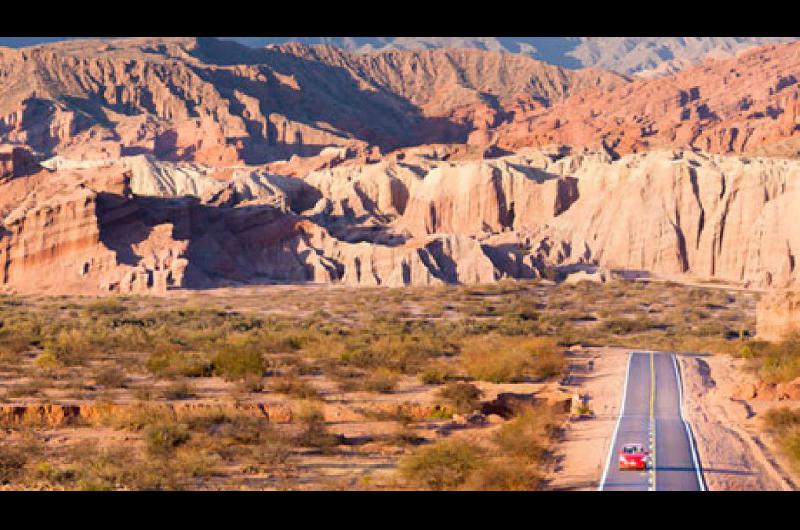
x=777, y=315
x=139, y=224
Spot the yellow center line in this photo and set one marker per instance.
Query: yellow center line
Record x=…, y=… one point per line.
x=652, y=414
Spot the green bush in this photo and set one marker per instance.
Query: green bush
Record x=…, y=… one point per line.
x=464, y=397
x=105, y=306
x=168, y=362
x=46, y=361
x=251, y=384
x=111, y=377
x=381, y=380
x=444, y=465
x=238, y=362
x=70, y=347
x=293, y=385
x=178, y=390
x=502, y=359
x=504, y=474
x=527, y=436
x=780, y=362
x=315, y=433
x=12, y=463
x=779, y=420
x=624, y=326
x=162, y=438
x=433, y=375
x=784, y=424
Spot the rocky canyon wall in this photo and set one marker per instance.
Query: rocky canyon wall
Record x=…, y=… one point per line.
x=137, y=224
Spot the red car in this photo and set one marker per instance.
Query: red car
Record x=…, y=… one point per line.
x=633, y=456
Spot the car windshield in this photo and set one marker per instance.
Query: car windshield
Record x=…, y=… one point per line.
x=632, y=449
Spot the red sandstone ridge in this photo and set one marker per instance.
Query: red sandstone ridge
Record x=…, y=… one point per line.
x=218, y=102
x=748, y=104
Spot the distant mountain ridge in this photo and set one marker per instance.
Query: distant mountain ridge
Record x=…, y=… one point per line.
x=647, y=56
x=628, y=55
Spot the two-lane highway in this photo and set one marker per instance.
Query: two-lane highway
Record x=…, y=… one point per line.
x=651, y=414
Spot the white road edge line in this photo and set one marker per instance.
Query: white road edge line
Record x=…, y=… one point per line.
x=686, y=424
x=616, y=429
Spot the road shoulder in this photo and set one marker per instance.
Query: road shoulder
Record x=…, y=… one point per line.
x=598, y=373
x=734, y=454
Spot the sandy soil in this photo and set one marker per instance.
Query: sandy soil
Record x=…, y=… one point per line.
x=735, y=452
x=598, y=373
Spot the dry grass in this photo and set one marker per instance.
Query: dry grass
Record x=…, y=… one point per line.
x=784, y=424
x=463, y=397
x=331, y=347
x=519, y=451
x=500, y=359
x=445, y=465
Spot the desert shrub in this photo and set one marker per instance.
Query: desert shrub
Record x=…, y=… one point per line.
x=464, y=397
x=500, y=359
x=12, y=464
x=293, y=385
x=790, y=444
x=444, y=465
x=46, y=361
x=239, y=436
x=167, y=361
x=404, y=436
x=194, y=463
x=528, y=435
x=111, y=377
x=781, y=419
x=70, y=347
x=61, y=475
x=781, y=361
x=624, y=326
x=504, y=474
x=404, y=349
x=143, y=392
x=34, y=387
x=105, y=306
x=440, y=413
x=784, y=424
x=162, y=438
x=237, y=361
x=381, y=380
x=275, y=452
x=433, y=375
x=315, y=433
x=178, y=390
x=18, y=336
x=115, y=468
x=711, y=329
x=134, y=418
x=251, y=383
x=746, y=351
x=238, y=427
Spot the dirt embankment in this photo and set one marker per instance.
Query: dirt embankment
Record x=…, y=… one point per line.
x=734, y=450
x=599, y=374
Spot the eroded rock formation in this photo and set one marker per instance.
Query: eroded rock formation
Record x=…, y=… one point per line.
x=778, y=315
x=747, y=104
x=141, y=165
x=137, y=224
x=217, y=102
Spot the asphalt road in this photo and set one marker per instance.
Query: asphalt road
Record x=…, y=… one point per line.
x=651, y=415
